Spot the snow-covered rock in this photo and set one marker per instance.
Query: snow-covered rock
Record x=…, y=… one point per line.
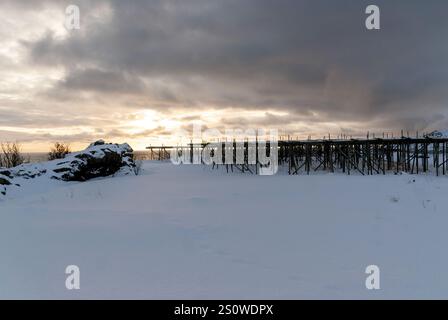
x=4, y=181
x=99, y=159
x=437, y=134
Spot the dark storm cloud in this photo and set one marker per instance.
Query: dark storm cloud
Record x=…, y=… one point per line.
x=268, y=119
x=102, y=81
x=296, y=56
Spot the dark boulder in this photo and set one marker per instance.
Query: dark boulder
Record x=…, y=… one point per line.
x=98, y=160
x=4, y=180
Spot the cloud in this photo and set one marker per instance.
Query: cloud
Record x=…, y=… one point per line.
x=25, y=137
x=101, y=81
x=32, y=118
x=311, y=60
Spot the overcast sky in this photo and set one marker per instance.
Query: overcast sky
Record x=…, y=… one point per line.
x=136, y=70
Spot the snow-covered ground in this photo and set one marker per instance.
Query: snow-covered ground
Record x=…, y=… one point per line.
x=190, y=232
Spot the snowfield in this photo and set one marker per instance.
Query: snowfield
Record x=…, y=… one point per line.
x=187, y=232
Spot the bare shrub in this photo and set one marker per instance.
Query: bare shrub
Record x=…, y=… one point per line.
x=11, y=155
x=58, y=151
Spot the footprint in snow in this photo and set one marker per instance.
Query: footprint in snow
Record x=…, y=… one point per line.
x=394, y=199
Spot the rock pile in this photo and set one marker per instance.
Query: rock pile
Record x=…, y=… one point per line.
x=99, y=159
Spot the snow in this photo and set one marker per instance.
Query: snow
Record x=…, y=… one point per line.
x=188, y=232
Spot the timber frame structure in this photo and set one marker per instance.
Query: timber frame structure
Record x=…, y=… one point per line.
x=361, y=156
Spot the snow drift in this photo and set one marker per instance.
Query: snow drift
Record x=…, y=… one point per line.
x=190, y=232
